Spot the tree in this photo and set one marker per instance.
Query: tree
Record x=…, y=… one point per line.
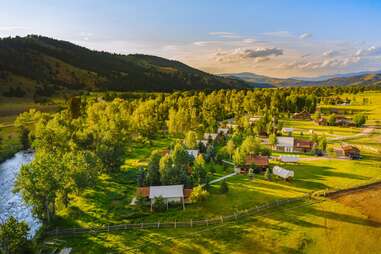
x=238, y=157
x=359, y=119
x=250, y=146
x=230, y=148
x=224, y=188
x=199, y=172
x=75, y=107
x=159, y=204
x=190, y=140
x=198, y=194
x=13, y=237
x=272, y=139
x=332, y=120
x=153, y=171
x=268, y=174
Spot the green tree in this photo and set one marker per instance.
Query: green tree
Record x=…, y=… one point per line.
x=238, y=157
x=198, y=194
x=224, y=188
x=230, y=148
x=190, y=140
x=199, y=172
x=332, y=120
x=13, y=237
x=153, y=171
x=268, y=174
x=159, y=204
x=359, y=119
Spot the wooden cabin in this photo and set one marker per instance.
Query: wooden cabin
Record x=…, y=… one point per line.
x=348, y=151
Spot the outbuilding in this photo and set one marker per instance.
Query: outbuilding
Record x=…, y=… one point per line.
x=285, y=144
x=283, y=173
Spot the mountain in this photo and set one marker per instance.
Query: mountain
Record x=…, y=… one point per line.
x=36, y=64
x=363, y=78
x=343, y=75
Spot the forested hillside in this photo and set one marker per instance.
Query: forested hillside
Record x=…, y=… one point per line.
x=42, y=66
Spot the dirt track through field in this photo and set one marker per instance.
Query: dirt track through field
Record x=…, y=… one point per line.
x=367, y=201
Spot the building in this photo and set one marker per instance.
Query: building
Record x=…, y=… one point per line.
x=283, y=173
x=223, y=131
x=170, y=193
x=288, y=159
x=203, y=141
x=301, y=116
x=285, y=144
x=210, y=136
x=193, y=152
x=322, y=121
x=259, y=162
x=348, y=151
x=303, y=146
x=287, y=131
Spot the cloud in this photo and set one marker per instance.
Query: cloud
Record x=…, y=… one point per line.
x=205, y=43
x=279, y=34
x=249, y=40
x=305, y=36
x=239, y=54
x=322, y=64
x=371, y=51
x=227, y=35
x=331, y=53
x=220, y=33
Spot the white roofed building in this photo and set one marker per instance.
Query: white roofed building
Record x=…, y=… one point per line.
x=212, y=136
x=171, y=193
x=223, y=131
x=285, y=144
x=283, y=173
x=287, y=130
x=193, y=152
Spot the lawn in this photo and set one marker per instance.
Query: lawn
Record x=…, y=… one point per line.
x=327, y=227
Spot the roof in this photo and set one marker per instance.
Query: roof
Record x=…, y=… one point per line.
x=285, y=141
x=142, y=192
x=223, y=130
x=166, y=191
x=287, y=129
x=348, y=148
x=299, y=143
x=288, y=158
x=283, y=173
x=257, y=160
x=193, y=153
x=213, y=136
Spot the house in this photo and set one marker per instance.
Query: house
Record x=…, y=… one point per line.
x=283, y=173
x=285, y=144
x=223, y=131
x=344, y=122
x=203, y=141
x=170, y=193
x=193, y=152
x=261, y=162
x=348, y=151
x=210, y=136
x=303, y=146
x=301, y=116
x=231, y=126
x=287, y=131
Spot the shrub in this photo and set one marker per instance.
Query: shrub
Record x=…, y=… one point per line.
x=224, y=188
x=198, y=194
x=268, y=174
x=159, y=204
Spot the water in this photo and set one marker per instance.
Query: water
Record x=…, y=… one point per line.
x=11, y=204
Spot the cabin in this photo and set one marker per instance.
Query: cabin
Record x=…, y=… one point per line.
x=301, y=116
x=223, y=131
x=193, y=152
x=303, y=146
x=210, y=136
x=203, y=141
x=259, y=162
x=170, y=193
x=287, y=131
x=344, y=123
x=285, y=144
x=283, y=173
x=347, y=151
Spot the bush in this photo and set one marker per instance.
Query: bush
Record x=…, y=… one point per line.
x=268, y=174
x=159, y=204
x=224, y=188
x=199, y=194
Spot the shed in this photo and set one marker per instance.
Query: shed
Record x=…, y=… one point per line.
x=285, y=144
x=304, y=146
x=288, y=159
x=193, y=152
x=212, y=136
x=348, y=151
x=283, y=173
x=171, y=193
x=223, y=131
x=203, y=141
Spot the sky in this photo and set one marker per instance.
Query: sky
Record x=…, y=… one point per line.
x=281, y=38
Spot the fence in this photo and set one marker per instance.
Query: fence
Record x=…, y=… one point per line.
x=178, y=224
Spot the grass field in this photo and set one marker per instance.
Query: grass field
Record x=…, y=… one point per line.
x=328, y=227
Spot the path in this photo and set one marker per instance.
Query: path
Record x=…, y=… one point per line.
x=365, y=132
x=222, y=178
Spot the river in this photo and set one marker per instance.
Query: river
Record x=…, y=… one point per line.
x=11, y=204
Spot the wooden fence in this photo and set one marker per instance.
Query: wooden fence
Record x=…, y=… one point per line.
x=177, y=224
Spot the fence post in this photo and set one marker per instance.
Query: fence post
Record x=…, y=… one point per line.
x=108, y=227
x=207, y=222
x=236, y=216
x=141, y=225
x=191, y=223
x=175, y=223
x=158, y=224
x=222, y=219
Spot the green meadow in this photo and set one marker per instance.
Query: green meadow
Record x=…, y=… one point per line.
x=322, y=227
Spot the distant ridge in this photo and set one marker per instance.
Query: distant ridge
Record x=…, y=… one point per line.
x=37, y=64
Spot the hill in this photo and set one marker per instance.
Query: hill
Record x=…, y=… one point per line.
x=373, y=78
x=41, y=65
